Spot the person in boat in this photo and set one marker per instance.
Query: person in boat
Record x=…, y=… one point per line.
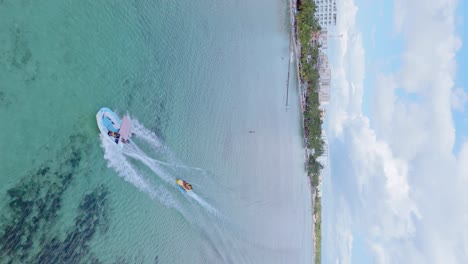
x=188, y=186
x=113, y=134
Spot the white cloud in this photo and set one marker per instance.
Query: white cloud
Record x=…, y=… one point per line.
x=463, y=163
x=382, y=181
x=344, y=238
x=384, y=103
x=379, y=254
x=350, y=79
x=428, y=71
x=459, y=99
x=405, y=188
x=373, y=32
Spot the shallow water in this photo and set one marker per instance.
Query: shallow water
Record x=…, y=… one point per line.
x=195, y=78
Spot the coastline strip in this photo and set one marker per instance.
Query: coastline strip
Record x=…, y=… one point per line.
x=312, y=165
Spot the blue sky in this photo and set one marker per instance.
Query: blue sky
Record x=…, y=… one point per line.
x=383, y=48
x=397, y=125
x=461, y=120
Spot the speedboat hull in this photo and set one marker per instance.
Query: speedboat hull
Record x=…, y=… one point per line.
x=112, y=127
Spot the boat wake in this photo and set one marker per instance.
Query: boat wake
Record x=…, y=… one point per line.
x=167, y=167
x=121, y=164
x=208, y=207
x=150, y=165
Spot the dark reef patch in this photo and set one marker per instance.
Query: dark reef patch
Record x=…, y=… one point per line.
x=92, y=216
x=4, y=100
x=29, y=231
x=21, y=54
x=32, y=207
x=18, y=54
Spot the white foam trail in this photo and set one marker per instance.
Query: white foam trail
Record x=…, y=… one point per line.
x=135, y=152
x=204, y=203
x=145, y=134
x=116, y=160
x=153, y=166
x=152, y=140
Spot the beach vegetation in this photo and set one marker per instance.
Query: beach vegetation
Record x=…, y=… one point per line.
x=307, y=25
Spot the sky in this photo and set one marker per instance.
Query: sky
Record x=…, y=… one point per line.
x=397, y=125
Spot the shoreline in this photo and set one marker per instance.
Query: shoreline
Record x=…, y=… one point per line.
x=315, y=197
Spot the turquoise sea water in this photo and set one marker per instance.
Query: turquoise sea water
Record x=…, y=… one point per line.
x=195, y=79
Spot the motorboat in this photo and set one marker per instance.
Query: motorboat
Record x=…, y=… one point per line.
x=112, y=127
x=183, y=185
